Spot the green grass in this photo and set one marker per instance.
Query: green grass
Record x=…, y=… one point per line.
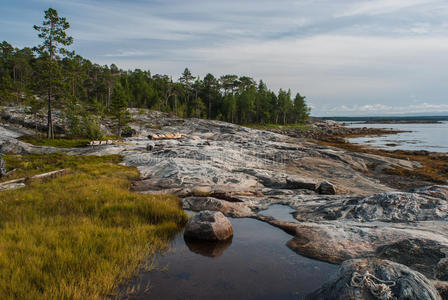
x=57, y=142
x=32, y=164
x=80, y=235
x=278, y=126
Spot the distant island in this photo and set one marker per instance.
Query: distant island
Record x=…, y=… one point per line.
x=392, y=119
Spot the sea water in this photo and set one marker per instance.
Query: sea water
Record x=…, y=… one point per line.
x=430, y=137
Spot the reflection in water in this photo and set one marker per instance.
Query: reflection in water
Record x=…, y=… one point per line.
x=256, y=264
x=279, y=212
x=206, y=248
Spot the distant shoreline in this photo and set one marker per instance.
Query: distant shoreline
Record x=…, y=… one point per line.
x=392, y=119
x=402, y=122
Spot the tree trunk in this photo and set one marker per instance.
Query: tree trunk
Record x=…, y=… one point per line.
x=209, y=108
x=108, y=97
x=50, y=133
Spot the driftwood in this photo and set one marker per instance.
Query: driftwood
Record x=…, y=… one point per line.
x=99, y=143
x=49, y=175
x=21, y=182
x=168, y=136
x=7, y=174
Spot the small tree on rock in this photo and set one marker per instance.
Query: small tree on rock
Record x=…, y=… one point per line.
x=119, y=109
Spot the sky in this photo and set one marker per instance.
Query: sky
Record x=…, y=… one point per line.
x=348, y=57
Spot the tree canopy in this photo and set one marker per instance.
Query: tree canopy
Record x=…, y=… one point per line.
x=54, y=73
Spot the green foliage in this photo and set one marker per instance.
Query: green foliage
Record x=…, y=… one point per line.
x=119, y=108
x=54, y=42
x=81, y=123
x=107, y=90
x=301, y=110
x=80, y=235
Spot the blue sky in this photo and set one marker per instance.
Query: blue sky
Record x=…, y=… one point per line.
x=349, y=57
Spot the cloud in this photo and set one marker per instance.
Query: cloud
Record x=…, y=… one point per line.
x=381, y=109
x=377, y=7
x=337, y=53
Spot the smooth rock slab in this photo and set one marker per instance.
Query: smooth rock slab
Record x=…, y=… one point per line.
x=403, y=283
x=236, y=210
x=209, y=226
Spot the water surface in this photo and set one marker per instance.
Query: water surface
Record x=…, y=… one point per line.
x=279, y=212
x=255, y=264
x=429, y=137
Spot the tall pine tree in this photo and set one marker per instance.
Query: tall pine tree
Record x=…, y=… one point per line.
x=54, y=40
x=119, y=108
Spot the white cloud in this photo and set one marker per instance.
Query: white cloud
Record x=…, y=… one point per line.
x=377, y=7
x=381, y=109
x=374, y=53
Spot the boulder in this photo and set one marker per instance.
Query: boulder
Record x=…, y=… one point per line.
x=209, y=226
x=297, y=182
x=150, y=146
x=372, y=279
x=326, y=188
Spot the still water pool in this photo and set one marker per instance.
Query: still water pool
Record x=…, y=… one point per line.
x=255, y=264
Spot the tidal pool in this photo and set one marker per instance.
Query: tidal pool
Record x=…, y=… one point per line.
x=280, y=212
x=255, y=264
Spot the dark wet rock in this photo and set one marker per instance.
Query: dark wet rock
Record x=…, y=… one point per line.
x=149, y=146
x=128, y=132
x=297, y=182
x=399, y=282
x=209, y=226
x=442, y=288
x=326, y=188
x=207, y=248
x=426, y=256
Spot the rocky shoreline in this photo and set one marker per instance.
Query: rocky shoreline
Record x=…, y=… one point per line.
x=323, y=130
x=239, y=171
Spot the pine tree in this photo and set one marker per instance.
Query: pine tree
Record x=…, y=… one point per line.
x=119, y=108
x=54, y=38
x=301, y=109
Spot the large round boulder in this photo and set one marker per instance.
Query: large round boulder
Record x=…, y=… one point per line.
x=209, y=226
x=372, y=279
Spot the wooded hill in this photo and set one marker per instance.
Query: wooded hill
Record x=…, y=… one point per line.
x=31, y=75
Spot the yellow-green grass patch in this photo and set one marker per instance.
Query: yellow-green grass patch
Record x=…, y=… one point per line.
x=80, y=235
